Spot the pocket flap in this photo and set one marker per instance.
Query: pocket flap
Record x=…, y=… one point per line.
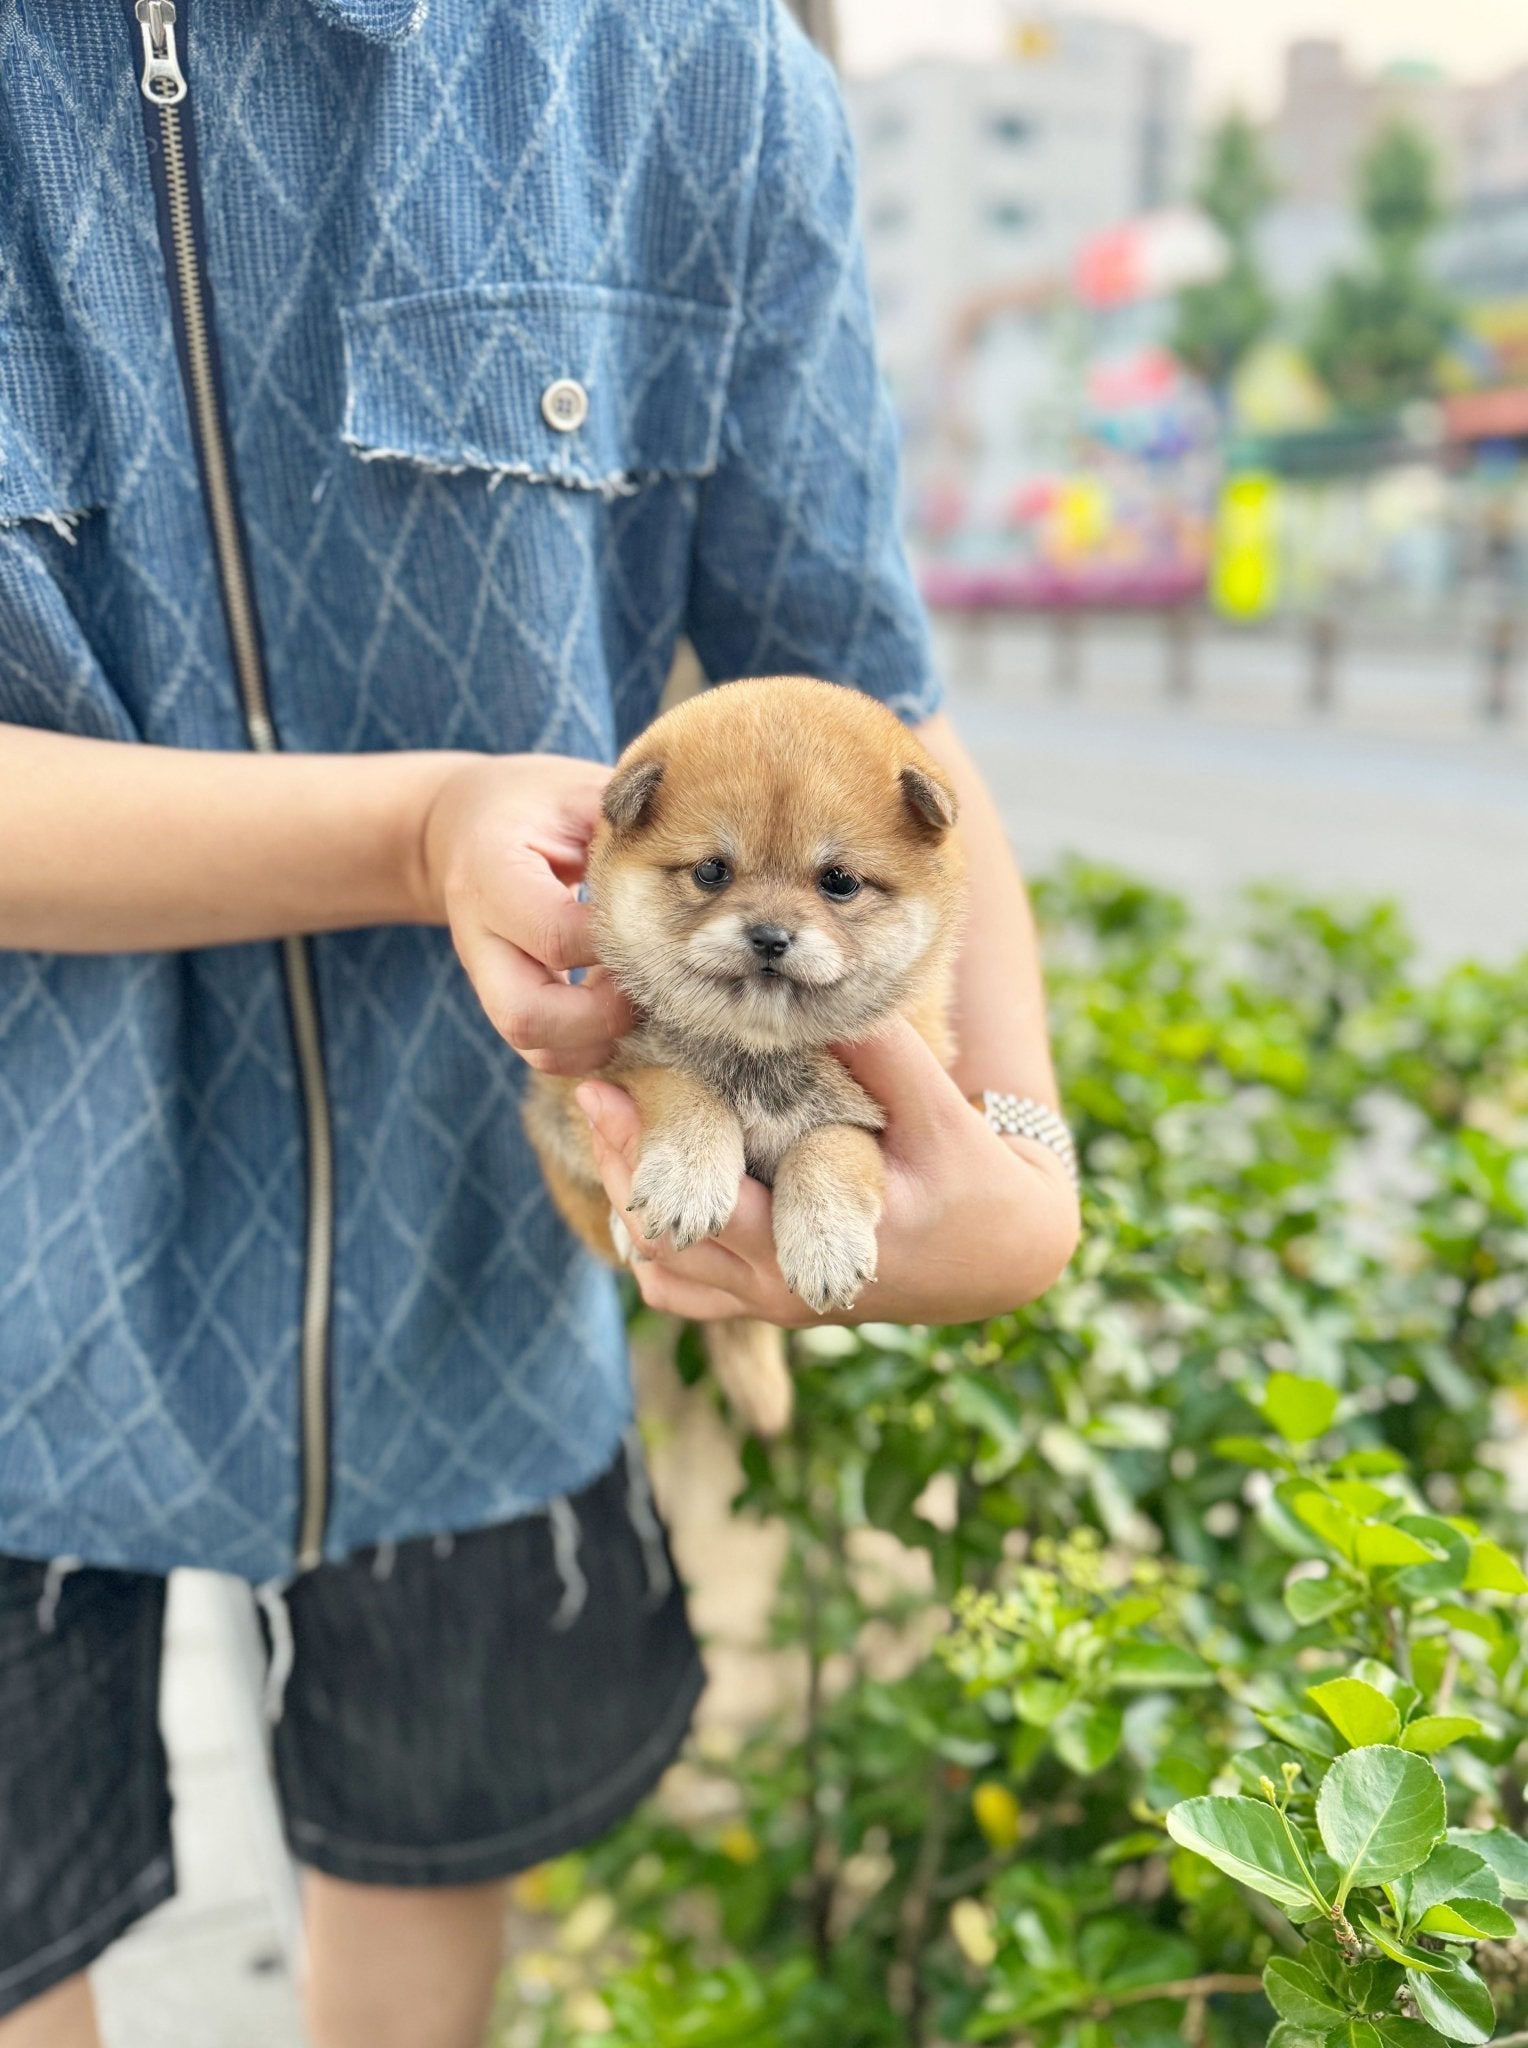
x=457, y=380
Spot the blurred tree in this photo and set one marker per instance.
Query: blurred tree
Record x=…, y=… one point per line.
x=1219, y=322
x=1379, y=330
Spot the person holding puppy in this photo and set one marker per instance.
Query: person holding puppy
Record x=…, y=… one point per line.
x=383, y=391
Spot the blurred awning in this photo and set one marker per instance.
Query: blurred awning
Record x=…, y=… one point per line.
x=1487, y=415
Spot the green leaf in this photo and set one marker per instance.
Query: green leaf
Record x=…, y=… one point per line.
x=1379, y=1811
x=1469, y=1920
x=1371, y=1464
x=1305, y=1732
x=1397, y=1947
x=1380, y=1545
x=1506, y=1853
x=1480, y=1622
x=1088, y=1734
x=1454, y=2001
x=1287, y=2035
x=1324, y=1518
x=1395, y=2032
x=1492, y=1570
x=1038, y=1701
x=1251, y=1450
x=1450, y=1872
x=1353, y=2034
x=1432, y=1732
x=1296, y=1993
x=1311, y=1600
x=1362, y=1498
x=894, y=1478
x=1299, y=1409
x=1246, y=1839
x=1447, y=1574
x=1359, y=1712
x=1144, y=1667
x=986, y=1404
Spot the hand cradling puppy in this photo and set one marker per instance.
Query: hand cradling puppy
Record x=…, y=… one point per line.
x=774, y=874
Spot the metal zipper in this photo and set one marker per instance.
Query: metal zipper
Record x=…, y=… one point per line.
x=163, y=84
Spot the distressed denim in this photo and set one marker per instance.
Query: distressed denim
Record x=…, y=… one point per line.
x=416, y=218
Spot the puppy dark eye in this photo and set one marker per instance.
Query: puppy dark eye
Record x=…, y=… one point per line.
x=838, y=883
x=713, y=873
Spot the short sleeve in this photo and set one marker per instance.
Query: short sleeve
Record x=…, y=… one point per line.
x=798, y=564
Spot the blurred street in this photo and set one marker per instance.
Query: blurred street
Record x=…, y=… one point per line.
x=1400, y=791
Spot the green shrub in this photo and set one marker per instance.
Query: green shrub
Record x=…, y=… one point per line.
x=1222, y=1738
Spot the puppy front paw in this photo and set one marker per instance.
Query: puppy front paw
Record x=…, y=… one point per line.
x=827, y=1261
x=687, y=1192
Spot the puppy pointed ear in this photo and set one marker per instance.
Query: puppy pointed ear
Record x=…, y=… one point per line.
x=629, y=794
x=929, y=797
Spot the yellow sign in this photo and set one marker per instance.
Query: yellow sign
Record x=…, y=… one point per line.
x=1080, y=520
x=1244, y=575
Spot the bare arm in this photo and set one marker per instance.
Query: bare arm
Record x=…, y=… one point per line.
x=1000, y=1030
x=108, y=847
x=114, y=848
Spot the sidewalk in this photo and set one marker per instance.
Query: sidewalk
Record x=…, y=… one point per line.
x=216, y=1967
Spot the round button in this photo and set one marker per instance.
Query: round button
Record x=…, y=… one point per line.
x=565, y=405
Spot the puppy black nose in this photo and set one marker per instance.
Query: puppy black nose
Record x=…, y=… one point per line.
x=769, y=941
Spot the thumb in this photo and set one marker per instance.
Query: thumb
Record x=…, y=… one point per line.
x=613, y=1117
x=902, y=1073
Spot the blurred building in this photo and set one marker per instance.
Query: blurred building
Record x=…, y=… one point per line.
x=1495, y=146
x=978, y=176
x=1330, y=112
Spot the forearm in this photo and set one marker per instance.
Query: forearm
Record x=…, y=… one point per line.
x=1000, y=1027
x=108, y=847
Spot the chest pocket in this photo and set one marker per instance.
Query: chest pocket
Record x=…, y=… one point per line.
x=49, y=466
x=579, y=385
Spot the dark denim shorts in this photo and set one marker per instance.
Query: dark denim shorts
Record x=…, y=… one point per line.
x=456, y=1709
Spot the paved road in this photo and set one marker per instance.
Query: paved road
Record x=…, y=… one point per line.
x=1401, y=793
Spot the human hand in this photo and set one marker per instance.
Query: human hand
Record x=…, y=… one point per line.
x=974, y=1223
x=504, y=844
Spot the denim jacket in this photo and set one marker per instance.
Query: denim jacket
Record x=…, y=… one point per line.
x=378, y=374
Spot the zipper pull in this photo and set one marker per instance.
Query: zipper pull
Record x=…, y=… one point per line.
x=163, y=81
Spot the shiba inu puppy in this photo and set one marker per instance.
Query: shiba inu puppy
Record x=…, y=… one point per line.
x=774, y=873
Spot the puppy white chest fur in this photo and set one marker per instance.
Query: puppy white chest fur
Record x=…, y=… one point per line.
x=776, y=1096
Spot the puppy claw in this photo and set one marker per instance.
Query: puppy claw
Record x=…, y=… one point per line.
x=827, y=1267
x=625, y=1244
x=682, y=1195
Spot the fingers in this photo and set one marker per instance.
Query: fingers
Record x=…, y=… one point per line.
x=899, y=1070
x=558, y=1026
x=673, y=1294
x=740, y=1263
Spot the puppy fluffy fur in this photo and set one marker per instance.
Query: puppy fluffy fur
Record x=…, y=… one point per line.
x=774, y=872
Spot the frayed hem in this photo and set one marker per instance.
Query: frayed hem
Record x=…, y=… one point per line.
x=615, y=484
x=64, y=524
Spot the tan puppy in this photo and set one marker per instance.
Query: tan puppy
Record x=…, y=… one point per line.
x=774, y=872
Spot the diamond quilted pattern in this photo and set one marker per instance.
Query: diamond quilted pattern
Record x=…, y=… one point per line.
x=415, y=215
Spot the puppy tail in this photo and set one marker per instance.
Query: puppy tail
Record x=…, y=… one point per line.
x=749, y=1360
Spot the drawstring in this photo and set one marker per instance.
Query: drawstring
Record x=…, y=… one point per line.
x=383, y=1560
x=272, y=1597
x=575, y=1587
x=52, y=1592
x=643, y=1516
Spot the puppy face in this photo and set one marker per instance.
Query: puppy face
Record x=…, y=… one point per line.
x=775, y=868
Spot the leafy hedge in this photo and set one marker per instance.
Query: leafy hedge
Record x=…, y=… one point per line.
x=1220, y=1738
